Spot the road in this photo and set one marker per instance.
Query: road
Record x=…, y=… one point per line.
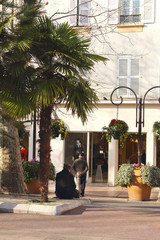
x=102, y=220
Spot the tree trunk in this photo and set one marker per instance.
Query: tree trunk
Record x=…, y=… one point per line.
x=44, y=150
x=12, y=180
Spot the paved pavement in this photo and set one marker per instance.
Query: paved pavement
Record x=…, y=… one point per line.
x=105, y=213
x=100, y=193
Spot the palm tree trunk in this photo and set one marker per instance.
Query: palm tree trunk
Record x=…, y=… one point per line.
x=44, y=150
x=10, y=161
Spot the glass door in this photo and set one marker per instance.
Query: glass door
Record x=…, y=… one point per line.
x=99, y=155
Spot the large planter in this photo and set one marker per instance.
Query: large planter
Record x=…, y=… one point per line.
x=33, y=186
x=137, y=190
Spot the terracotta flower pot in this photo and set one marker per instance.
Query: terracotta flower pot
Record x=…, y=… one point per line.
x=33, y=186
x=137, y=190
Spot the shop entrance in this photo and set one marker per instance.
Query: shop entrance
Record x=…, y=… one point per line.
x=75, y=143
x=129, y=153
x=99, y=158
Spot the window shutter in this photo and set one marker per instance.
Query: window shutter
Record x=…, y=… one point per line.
x=123, y=67
x=113, y=11
x=147, y=11
x=84, y=11
x=73, y=13
x=135, y=75
x=123, y=91
x=122, y=75
x=129, y=75
x=135, y=67
x=134, y=84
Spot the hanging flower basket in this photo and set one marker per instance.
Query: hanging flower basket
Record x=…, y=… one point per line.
x=156, y=129
x=58, y=129
x=117, y=129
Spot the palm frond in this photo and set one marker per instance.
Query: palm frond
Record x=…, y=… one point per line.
x=81, y=98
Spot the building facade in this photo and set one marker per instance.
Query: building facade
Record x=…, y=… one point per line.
x=127, y=33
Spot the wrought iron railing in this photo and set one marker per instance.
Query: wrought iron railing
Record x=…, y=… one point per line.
x=130, y=18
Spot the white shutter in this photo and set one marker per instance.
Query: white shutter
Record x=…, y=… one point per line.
x=134, y=84
x=84, y=11
x=123, y=91
x=122, y=76
x=73, y=13
x=129, y=75
x=113, y=11
x=147, y=11
x=123, y=67
x=135, y=67
x=135, y=75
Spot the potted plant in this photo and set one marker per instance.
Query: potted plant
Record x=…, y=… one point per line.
x=118, y=129
x=138, y=179
x=156, y=129
x=58, y=128
x=31, y=175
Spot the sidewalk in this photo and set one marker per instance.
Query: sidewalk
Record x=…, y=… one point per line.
x=29, y=203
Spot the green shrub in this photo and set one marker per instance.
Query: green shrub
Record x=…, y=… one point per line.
x=31, y=171
x=150, y=175
x=124, y=175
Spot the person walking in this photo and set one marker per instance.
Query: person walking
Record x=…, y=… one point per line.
x=65, y=184
x=80, y=168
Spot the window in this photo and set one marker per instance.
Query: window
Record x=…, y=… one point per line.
x=129, y=75
x=79, y=12
x=130, y=11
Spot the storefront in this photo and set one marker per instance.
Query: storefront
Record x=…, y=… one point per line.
x=96, y=152
x=104, y=158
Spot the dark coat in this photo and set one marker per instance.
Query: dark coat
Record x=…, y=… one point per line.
x=65, y=185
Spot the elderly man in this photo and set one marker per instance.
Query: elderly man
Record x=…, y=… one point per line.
x=65, y=185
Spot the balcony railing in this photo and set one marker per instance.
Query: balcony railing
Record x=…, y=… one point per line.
x=130, y=18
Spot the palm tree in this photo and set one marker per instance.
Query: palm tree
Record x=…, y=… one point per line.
x=63, y=61
x=10, y=161
x=14, y=86
x=45, y=64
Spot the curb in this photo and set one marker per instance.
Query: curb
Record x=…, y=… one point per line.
x=44, y=209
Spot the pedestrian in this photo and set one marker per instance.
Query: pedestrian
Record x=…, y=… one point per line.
x=80, y=168
x=23, y=153
x=65, y=185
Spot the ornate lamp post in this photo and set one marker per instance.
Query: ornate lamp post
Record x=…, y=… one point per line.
x=140, y=110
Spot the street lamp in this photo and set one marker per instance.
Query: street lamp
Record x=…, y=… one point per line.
x=140, y=108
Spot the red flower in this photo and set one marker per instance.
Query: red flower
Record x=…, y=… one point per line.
x=113, y=120
x=46, y=3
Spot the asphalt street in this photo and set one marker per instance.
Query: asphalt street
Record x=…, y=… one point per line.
x=103, y=219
